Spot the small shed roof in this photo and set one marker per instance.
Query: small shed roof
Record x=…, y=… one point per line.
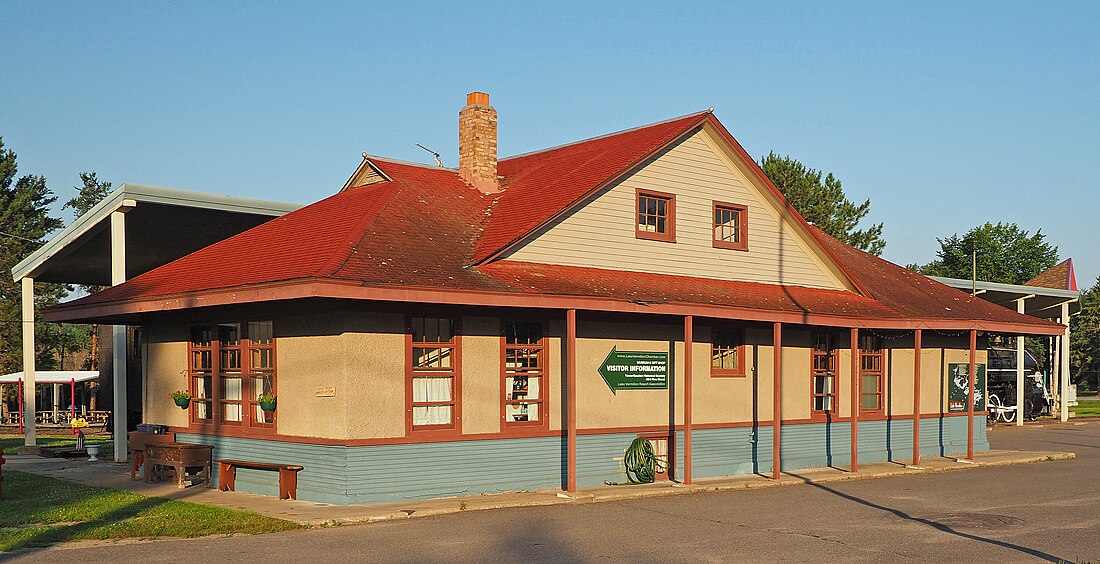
x=52, y=376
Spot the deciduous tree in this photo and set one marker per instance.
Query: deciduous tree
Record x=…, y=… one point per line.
x=1005, y=253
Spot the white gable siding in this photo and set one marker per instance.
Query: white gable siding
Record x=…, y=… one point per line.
x=601, y=233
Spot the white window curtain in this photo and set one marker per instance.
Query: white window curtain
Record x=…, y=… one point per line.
x=431, y=389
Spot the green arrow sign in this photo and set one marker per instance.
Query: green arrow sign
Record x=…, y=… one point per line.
x=635, y=370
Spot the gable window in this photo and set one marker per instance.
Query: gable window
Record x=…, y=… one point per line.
x=524, y=375
x=656, y=213
x=731, y=226
x=823, y=374
x=230, y=366
x=433, y=360
x=870, y=373
x=727, y=353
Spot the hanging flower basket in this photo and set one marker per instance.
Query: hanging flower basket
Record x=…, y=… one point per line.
x=182, y=398
x=267, y=402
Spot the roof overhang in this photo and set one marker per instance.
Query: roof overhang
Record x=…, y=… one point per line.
x=162, y=224
x=132, y=312
x=1044, y=303
x=52, y=376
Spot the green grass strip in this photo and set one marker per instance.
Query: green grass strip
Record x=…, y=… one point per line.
x=11, y=443
x=37, y=511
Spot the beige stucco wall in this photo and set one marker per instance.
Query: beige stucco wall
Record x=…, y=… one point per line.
x=597, y=407
x=374, y=391
x=165, y=358
x=698, y=172
x=362, y=355
x=480, y=375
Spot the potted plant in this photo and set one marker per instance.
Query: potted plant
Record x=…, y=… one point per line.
x=267, y=402
x=182, y=398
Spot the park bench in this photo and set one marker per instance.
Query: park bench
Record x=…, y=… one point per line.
x=288, y=475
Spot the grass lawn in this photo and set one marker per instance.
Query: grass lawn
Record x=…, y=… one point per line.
x=1086, y=408
x=11, y=443
x=37, y=510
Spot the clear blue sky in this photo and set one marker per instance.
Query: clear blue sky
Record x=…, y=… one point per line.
x=946, y=115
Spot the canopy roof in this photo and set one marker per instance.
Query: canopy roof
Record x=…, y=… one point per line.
x=52, y=376
x=162, y=224
x=1038, y=301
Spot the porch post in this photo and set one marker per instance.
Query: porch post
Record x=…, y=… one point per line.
x=970, y=399
x=571, y=398
x=777, y=396
x=29, y=438
x=118, y=276
x=688, y=340
x=1020, y=369
x=855, y=384
x=1064, y=366
x=916, y=396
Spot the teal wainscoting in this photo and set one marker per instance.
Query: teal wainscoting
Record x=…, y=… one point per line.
x=375, y=474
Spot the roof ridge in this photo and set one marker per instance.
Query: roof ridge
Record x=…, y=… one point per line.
x=411, y=163
x=332, y=267
x=606, y=135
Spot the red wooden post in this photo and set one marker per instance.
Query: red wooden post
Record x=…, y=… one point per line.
x=916, y=397
x=571, y=398
x=855, y=383
x=970, y=410
x=688, y=339
x=777, y=411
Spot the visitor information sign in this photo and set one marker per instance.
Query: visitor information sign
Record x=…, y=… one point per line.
x=958, y=387
x=635, y=370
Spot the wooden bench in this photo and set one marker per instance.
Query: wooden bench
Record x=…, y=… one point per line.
x=288, y=475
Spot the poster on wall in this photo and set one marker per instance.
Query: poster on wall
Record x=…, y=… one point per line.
x=958, y=384
x=635, y=370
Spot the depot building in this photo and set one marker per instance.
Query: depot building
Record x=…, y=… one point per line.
x=515, y=323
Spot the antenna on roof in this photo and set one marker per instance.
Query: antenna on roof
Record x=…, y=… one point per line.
x=435, y=154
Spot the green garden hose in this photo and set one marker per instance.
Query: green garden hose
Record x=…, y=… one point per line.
x=641, y=463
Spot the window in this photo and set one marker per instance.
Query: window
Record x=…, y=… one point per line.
x=870, y=373
x=731, y=226
x=823, y=374
x=656, y=216
x=433, y=374
x=524, y=375
x=226, y=391
x=727, y=353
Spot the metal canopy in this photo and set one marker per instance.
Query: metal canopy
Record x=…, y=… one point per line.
x=52, y=376
x=162, y=225
x=1038, y=301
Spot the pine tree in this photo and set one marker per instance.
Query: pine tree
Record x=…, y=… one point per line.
x=822, y=202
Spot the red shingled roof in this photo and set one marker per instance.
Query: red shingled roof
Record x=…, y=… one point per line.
x=1058, y=277
x=426, y=229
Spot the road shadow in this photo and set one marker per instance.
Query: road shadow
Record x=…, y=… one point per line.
x=934, y=524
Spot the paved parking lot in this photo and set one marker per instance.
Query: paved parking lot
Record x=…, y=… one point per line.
x=1048, y=511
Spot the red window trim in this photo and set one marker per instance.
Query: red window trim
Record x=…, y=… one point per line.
x=740, y=371
x=822, y=414
x=519, y=428
x=248, y=424
x=742, y=225
x=864, y=355
x=670, y=220
x=455, y=373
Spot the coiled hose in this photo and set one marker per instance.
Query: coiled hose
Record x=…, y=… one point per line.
x=642, y=464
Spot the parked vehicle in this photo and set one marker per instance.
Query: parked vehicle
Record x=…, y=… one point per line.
x=1001, y=387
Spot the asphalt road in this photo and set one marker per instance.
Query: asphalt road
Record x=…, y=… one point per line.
x=1040, y=512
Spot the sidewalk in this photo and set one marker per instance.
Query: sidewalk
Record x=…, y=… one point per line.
x=109, y=474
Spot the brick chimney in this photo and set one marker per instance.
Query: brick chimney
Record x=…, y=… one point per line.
x=477, y=143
